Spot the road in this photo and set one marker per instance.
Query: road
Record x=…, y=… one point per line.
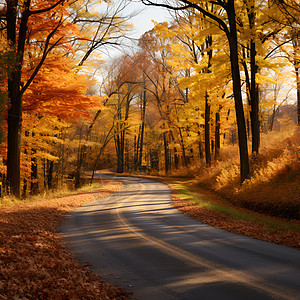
x=136, y=239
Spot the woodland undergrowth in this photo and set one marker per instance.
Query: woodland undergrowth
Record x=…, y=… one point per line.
x=274, y=186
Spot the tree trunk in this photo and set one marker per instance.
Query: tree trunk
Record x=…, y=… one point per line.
x=185, y=163
x=96, y=163
x=119, y=142
x=298, y=91
x=166, y=148
x=201, y=156
x=14, y=146
x=217, y=136
x=136, y=151
x=254, y=111
x=24, y=190
x=14, y=119
x=207, y=132
x=50, y=166
x=34, y=186
x=81, y=155
x=240, y=116
x=254, y=94
x=142, y=130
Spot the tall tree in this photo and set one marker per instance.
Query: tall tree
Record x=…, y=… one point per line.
x=17, y=17
x=230, y=28
x=34, y=30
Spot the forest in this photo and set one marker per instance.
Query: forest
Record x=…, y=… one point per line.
x=212, y=94
x=207, y=101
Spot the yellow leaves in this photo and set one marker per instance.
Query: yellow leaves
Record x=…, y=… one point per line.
x=261, y=79
x=163, y=30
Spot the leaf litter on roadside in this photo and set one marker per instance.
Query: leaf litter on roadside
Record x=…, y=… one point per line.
x=239, y=226
x=34, y=262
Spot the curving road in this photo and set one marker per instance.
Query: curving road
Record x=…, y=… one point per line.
x=137, y=240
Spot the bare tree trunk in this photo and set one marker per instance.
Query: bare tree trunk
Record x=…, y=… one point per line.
x=50, y=165
x=254, y=111
x=120, y=147
x=136, y=151
x=185, y=163
x=34, y=186
x=240, y=116
x=217, y=136
x=166, y=148
x=79, y=161
x=207, y=132
x=14, y=118
x=298, y=91
x=200, y=146
x=142, y=130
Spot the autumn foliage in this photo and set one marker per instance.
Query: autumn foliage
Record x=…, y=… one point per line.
x=213, y=95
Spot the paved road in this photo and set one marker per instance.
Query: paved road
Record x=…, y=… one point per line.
x=136, y=239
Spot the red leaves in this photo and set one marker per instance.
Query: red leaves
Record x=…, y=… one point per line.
x=35, y=264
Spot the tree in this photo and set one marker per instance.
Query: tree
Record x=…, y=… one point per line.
x=36, y=29
x=56, y=95
x=162, y=88
x=18, y=17
x=100, y=29
x=121, y=87
x=230, y=28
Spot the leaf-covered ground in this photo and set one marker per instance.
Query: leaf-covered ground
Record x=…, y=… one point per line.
x=34, y=262
x=257, y=230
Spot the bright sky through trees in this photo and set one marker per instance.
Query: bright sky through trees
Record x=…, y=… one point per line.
x=143, y=21
x=143, y=18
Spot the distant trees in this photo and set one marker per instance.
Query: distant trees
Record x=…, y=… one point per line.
x=194, y=81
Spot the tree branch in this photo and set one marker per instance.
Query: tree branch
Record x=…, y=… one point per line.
x=45, y=53
x=277, y=47
x=189, y=4
x=34, y=12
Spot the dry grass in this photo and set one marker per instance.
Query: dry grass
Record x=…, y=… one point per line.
x=274, y=187
x=34, y=261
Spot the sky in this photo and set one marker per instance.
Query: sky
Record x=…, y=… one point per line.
x=142, y=21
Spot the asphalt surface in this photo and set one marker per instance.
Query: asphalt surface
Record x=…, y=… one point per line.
x=136, y=239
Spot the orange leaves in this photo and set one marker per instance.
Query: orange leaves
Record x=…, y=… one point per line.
x=60, y=91
x=57, y=89
x=34, y=262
